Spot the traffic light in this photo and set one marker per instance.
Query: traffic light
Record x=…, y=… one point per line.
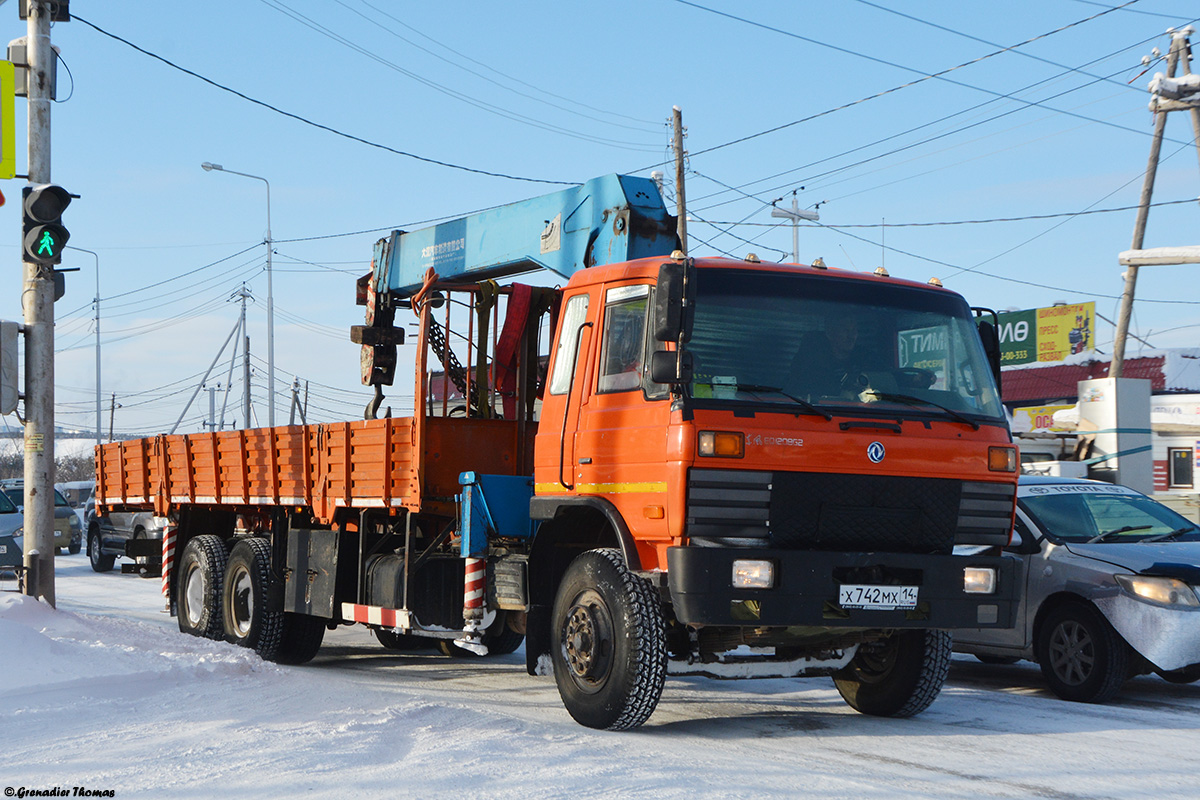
x=45, y=237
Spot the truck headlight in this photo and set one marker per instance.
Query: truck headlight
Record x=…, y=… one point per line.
x=979, y=580
x=751, y=574
x=1155, y=589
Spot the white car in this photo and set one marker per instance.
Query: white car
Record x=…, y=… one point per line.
x=1109, y=578
x=10, y=535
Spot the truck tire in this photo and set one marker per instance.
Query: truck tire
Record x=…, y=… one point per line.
x=301, y=639
x=400, y=642
x=248, y=617
x=609, y=644
x=1082, y=658
x=198, y=590
x=100, y=562
x=499, y=638
x=897, y=677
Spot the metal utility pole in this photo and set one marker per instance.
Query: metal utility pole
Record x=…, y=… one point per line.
x=209, y=167
x=795, y=214
x=37, y=301
x=680, y=201
x=1136, y=256
x=96, y=302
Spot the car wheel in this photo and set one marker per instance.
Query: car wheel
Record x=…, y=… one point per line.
x=897, y=677
x=1081, y=656
x=74, y=548
x=198, y=590
x=100, y=562
x=610, y=648
x=250, y=620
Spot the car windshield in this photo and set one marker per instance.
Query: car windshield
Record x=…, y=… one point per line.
x=1106, y=517
x=6, y=506
x=59, y=500
x=843, y=346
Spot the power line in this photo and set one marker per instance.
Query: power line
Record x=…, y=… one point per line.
x=317, y=125
x=925, y=77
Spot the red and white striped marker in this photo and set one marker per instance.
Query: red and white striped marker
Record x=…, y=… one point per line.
x=168, y=559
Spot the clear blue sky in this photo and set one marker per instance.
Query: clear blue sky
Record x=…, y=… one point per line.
x=565, y=92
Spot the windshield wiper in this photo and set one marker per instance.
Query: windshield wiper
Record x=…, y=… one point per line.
x=1162, y=537
x=1100, y=537
x=753, y=387
x=912, y=401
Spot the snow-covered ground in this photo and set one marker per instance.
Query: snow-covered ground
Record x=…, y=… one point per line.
x=105, y=694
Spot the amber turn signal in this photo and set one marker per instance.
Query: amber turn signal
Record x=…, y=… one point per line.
x=1002, y=459
x=722, y=444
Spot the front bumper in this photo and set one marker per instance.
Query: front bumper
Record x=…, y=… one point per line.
x=806, y=589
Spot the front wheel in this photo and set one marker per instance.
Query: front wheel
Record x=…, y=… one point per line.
x=100, y=562
x=897, y=677
x=609, y=650
x=1081, y=656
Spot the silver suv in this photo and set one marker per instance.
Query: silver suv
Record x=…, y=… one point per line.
x=107, y=535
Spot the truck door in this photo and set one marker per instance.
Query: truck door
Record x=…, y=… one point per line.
x=567, y=391
x=620, y=446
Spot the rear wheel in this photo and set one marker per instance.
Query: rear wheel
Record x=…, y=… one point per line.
x=301, y=639
x=897, y=677
x=198, y=589
x=609, y=643
x=499, y=638
x=399, y=641
x=249, y=619
x=1081, y=656
x=100, y=562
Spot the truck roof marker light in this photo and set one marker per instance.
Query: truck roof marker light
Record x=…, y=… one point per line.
x=721, y=444
x=818, y=263
x=882, y=272
x=935, y=281
x=753, y=258
x=678, y=255
x=1002, y=459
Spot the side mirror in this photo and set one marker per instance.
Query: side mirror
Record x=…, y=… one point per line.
x=991, y=347
x=671, y=367
x=674, y=302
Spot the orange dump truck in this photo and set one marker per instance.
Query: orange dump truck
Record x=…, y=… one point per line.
x=722, y=466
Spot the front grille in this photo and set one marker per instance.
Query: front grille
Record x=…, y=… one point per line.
x=815, y=511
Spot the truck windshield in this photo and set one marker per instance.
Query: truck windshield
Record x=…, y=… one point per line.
x=843, y=346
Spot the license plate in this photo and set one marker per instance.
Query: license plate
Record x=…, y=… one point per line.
x=3, y=549
x=886, y=598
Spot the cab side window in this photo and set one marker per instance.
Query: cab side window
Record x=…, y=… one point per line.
x=573, y=318
x=623, y=347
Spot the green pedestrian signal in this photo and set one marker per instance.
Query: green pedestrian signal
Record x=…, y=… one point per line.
x=45, y=237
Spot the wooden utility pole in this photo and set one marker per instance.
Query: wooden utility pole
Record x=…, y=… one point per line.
x=1178, y=53
x=680, y=201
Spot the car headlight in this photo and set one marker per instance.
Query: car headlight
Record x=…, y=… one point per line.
x=75, y=526
x=19, y=536
x=1159, y=590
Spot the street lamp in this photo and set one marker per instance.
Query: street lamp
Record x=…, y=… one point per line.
x=209, y=167
x=99, y=418
x=795, y=214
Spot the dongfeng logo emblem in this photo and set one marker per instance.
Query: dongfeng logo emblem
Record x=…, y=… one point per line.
x=875, y=452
